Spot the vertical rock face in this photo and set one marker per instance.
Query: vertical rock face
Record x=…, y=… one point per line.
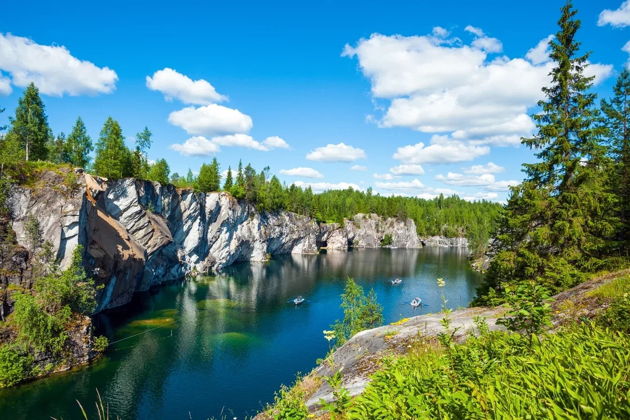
x=138, y=234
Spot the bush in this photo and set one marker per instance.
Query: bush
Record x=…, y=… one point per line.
x=360, y=312
x=15, y=366
x=581, y=372
x=529, y=311
x=289, y=404
x=387, y=240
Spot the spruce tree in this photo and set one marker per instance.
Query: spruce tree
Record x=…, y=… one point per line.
x=190, y=178
x=58, y=151
x=229, y=182
x=617, y=122
x=79, y=145
x=557, y=222
x=30, y=128
x=209, y=178
x=113, y=159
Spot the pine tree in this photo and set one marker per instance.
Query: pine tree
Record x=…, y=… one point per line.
x=617, y=122
x=229, y=183
x=557, y=221
x=209, y=178
x=159, y=172
x=30, y=128
x=190, y=178
x=58, y=151
x=79, y=145
x=113, y=159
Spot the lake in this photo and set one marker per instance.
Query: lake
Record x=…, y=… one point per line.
x=221, y=346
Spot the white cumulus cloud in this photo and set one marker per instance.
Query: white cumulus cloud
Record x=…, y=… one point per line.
x=211, y=120
x=340, y=152
x=238, y=140
x=387, y=177
x=444, y=86
x=401, y=185
x=174, y=85
x=52, y=68
x=5, y=85
x=358, y=168
x=275, y=142
x=540, y=53
x=488, y=168
x=619, y=17
x=303, y=172
x=196, y=146
x=485, y=180
x=407, y=170
x=441, y=150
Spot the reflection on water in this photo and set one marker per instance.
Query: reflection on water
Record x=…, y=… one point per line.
x=222, y=345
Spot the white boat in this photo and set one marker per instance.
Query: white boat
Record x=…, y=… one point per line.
x=396, y=282
x=416, y=302
x=298, y=300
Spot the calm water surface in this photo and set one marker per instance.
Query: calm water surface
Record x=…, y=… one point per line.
x=221, y=346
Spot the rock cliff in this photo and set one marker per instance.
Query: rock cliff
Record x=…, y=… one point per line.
x=138, y=234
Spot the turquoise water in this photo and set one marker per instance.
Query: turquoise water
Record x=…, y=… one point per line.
x=220, y=346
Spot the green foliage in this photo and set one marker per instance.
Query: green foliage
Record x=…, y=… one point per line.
x=529, y=310
x=581, y=372
x=29, y=128
x=100, y=344
x=289, y=404
x=341, y=397
x=617, y=123
x=113, y=158
x=360, y=312
x=209, y=178
x=229, y=182
x=159, y=172
x=387, y=240
x=15, y=366
x=79, y=145
x=42, y=319
x=559, y=221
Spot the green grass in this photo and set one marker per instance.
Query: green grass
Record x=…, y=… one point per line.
x=613, y=289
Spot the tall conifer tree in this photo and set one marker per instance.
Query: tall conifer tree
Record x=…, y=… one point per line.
x=112, y=156
x=617, y=121
x=79, y=145
x=30, y=128
x=557, y=221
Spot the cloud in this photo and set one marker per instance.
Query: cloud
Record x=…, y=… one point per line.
x=196, y=146
x=445, y=86
x=400, y=185
x=466, y=180
x=626, y=49
x=485, y=180
x=440, y=32
x=275, y=142
x=201, y=146
x=387, y=177
x=358, y=168
x=540, y=53
x=174, y=85
x=303, y=172
x=239, y=140
x=211, y=120
x=52, y=68
x=5, y=85
x=336, y=153
x=441, y=150
x=488, y=168
x=325, y=186
x=407, y=170
x=618, y=18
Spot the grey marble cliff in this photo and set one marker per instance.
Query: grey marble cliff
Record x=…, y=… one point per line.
x=138, y=234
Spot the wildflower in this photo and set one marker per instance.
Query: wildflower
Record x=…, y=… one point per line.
x=441, y=282
x=329, y=334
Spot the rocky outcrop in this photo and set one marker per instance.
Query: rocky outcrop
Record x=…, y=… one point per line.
x=138, y=234
x=442, y=241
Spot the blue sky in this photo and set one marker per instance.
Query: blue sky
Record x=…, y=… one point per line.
x=421, y=110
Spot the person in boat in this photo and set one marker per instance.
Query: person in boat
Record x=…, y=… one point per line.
x=396, y=281
x=298, y=300
x=416, y=302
